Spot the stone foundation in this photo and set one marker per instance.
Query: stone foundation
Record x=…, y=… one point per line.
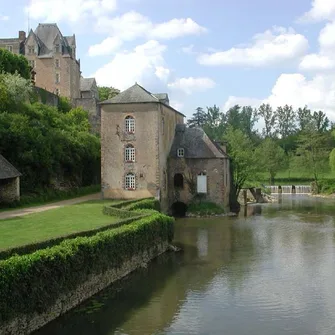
x=26, y=324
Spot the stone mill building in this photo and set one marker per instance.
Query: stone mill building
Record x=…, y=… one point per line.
x=147, y=151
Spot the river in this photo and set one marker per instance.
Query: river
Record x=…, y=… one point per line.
x=269, y=271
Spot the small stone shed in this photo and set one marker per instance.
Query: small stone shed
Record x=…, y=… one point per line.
x=9, y=182
x=197, y=167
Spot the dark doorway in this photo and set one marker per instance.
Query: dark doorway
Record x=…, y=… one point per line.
x=179, y=209
x=178, y=180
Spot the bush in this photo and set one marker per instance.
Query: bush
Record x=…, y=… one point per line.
x=144, y=204
x=326, y=186
x=34, y=282
x=205, y=208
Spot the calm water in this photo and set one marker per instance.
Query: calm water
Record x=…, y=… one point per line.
x=269, y=272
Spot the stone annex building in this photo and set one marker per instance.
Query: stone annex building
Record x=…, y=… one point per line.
x=147, y=150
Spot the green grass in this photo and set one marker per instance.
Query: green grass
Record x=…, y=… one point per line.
x=42, y=226
x=48, y=196
x=205, y=208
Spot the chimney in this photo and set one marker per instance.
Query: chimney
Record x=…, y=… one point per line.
x=22, y=35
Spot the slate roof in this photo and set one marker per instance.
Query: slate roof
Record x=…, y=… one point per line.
x=134, y=94
x=45, y=35
x=7, y=170
x=162, y=97
x=86, y=84
x=196, y=144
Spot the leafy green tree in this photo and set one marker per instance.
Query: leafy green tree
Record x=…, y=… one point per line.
x=243, y=161
x=304, y=118
x=271, y=158
x=12, y=63
x=107, y=92
x=266, y=113
x=286, y=120
x=198, y=119
x=321, y=121
x=312, y=154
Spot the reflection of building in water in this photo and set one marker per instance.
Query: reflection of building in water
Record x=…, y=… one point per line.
x=202, y=242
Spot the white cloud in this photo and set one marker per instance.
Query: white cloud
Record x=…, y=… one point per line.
x=4, y=18
x=177, y=105
x=242, y=101
x=324, y=60
x=144, y=64
x=268, y=48
x=318, y=93
x=321, y=10
x=190, y=85
x=176, y=28
x=188, y=49
x=72, y=11
x=106, y=47
x=132, y=25
x=162, y=73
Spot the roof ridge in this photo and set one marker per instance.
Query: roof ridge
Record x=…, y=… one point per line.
x=146, y=91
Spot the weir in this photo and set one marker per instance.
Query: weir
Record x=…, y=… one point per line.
x=290, y=189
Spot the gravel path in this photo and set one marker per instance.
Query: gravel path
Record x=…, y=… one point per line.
x=29, y=210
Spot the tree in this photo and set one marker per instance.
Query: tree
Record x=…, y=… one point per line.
x=286, y=119
x=243, y=160
x=304, y=117
x=271, y=158
x=12, y=63
x=321, y=121
x=198, y=119
x=266, y=112
x=107, y=92
x=312, y=154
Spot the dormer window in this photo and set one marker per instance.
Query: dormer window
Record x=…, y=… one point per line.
x=57, y=48
x=129, y=125
x=180, y=152
x=31, y=50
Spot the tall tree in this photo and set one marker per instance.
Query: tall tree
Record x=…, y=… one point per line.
x=107, y=92
x=271, y=158
x=213, y=125
x=243, y=161
x=312, y=154
x=304, y=118
x=268, y=116
x=198, y=119
x=12, y=63
x=321, y=121
x=286, y=119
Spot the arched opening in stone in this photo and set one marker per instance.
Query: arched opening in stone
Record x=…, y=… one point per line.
x=179, y=209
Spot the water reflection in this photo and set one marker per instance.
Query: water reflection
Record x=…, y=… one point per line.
x=269, y=271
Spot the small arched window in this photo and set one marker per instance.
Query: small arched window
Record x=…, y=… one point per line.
x=178, y=180
x=129, y=153
x=129, y=125
x=130, y=182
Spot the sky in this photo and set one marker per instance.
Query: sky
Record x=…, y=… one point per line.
x=201, y=53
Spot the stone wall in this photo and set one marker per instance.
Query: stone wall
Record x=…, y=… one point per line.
x=46, y=97
x=10, y=190
x=94, y=113
x=26, y=324
x=215, y=170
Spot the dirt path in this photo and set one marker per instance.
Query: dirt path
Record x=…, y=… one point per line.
x=29, y=210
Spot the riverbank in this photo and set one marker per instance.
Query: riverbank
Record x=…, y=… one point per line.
x=40, y=286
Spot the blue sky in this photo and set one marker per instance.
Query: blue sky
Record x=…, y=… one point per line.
x=201, y=52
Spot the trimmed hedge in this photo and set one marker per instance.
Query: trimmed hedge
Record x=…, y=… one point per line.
x=32, y=283
x=144, y=204
x=30, y=248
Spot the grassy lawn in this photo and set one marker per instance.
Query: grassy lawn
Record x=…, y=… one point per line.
x=52, y=223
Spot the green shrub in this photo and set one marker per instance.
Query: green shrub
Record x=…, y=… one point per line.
x=32, y=283
x=205, y=208
x=144, y=204
x=326, y=186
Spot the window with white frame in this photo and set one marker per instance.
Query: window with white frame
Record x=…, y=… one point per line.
x=57, y=48
x=57, y=63
x=130, y=124
x=180, y=152
x=57, y=78
x=32, y=63
x=130, y=153
x=9, y=48
x=202, y=183
x=130, y=182
x=31, y=50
